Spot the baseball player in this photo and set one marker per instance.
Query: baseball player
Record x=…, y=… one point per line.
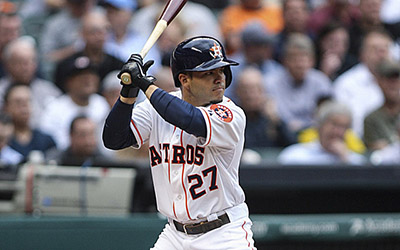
x=196, y=138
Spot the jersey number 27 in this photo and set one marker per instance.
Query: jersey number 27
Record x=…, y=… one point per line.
x=198, y=179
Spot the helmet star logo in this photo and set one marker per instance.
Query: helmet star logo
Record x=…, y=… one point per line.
x=216, y=51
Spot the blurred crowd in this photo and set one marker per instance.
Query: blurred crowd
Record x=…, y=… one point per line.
x=318, y=80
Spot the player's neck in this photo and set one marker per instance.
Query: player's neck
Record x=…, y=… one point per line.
x=191, y=101
x=194, y=100
x=187, y=96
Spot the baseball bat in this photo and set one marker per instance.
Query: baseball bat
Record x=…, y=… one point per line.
x=171, y=9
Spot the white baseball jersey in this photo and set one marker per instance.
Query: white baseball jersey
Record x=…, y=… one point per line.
x=193, y=177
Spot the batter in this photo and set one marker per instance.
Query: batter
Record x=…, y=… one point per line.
x=196, y=138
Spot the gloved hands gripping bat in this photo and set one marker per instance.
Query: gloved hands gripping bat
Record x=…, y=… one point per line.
x=171, y=9
x=138, y=79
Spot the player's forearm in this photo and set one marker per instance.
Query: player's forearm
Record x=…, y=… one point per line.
x=177, y=112
x=116, y=131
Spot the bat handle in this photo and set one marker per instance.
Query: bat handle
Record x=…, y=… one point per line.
x=126, y=78
x=158, y=30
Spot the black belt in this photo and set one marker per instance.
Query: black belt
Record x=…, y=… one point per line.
x=202, y=227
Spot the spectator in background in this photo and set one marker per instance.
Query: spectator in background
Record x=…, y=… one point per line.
x=380, y=126
x=297, y=89
x=390, y=11
x=235, y=17
x=25, y=139
x=333, y=120
x=81, y=85
x=122, y=41
x=263, y=126
x=8, y=156
x=199, y=19
x=256, y=50
x=342, y=11
x=60, y=35
x=295, y=18
x=332, y=46
x=352, y=140
x=21, y=63
x=370, y=20
x=165, y=79
x=357, y=88
x=83, y=144
x=10, y=28
x=111, y=88
x=388, y=155
x=94, y=32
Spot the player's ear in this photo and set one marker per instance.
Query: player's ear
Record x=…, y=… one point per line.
x=184, y=79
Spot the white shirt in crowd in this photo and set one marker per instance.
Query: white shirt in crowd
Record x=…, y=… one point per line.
x=358, y=89
x=58, y=115
x=313, y=153
x=389, y=155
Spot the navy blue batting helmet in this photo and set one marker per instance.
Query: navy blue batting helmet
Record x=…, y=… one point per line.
x=200, y=53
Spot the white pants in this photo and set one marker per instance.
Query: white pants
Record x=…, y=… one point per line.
x=236, y=235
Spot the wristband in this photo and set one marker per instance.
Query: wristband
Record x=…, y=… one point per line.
x=145, y=82
x=129, y=91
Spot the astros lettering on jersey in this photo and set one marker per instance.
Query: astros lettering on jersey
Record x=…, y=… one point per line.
x=190, y=172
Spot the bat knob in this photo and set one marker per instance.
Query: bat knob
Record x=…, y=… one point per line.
x=126, y=78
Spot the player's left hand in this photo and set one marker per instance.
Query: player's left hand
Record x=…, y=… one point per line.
x=135, y=67
x=137, y=71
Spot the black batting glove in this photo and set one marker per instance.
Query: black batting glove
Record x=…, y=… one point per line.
x=137, y=70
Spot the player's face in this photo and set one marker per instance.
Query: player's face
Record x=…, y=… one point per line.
x=205, y=87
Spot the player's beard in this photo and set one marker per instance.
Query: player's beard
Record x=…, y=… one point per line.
x=215, y=101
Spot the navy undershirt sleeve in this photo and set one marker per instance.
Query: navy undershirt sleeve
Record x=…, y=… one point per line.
x=116, y=132
x=179, y=113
